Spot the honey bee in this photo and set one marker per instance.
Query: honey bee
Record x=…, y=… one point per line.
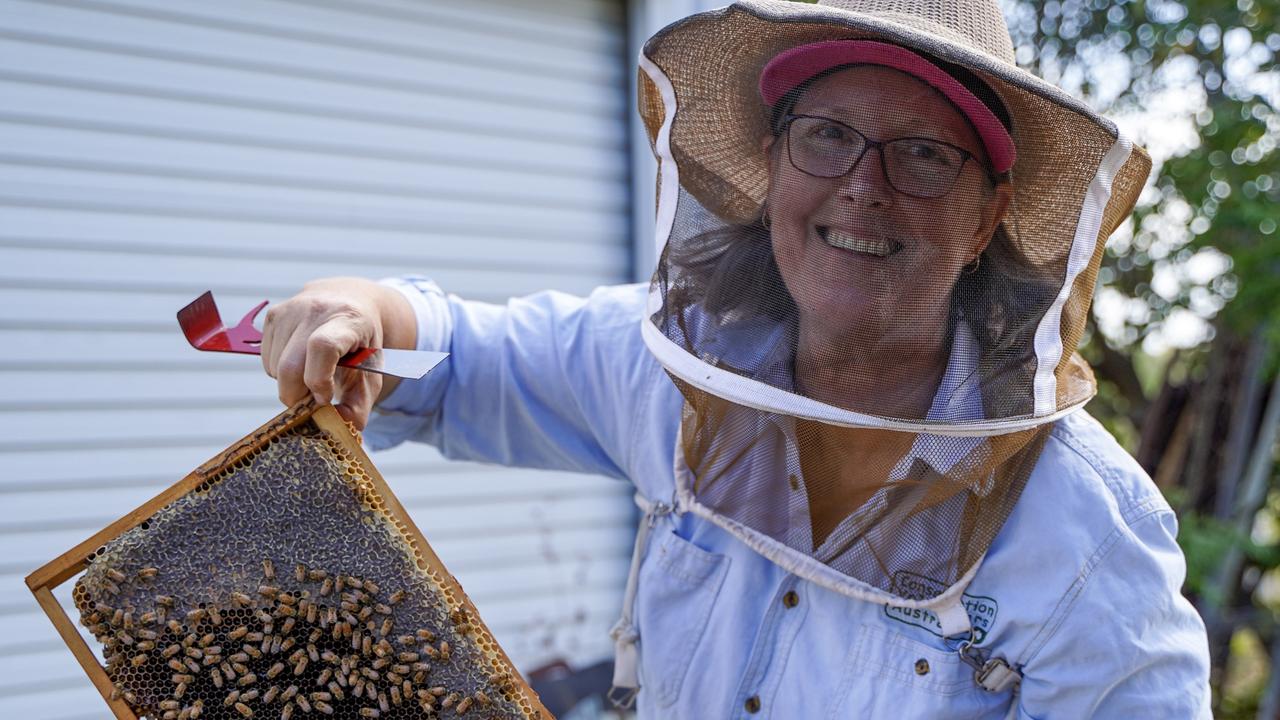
x=115, y=575
x=300, y=572
x=288, y=693
x=449, y=700
x=248, y=679
x=323, y=707
x=371, y=586
x=268, y=569
x=240, y=599
x=182, y=678
x=270, y=695
x=426, y=635
x=243, y=710
x=147, y=573
x=369, y=712
x=139, y=660
x=249, y=696
x=336, y=689
x=164, y=601
x=303, y=703
x=444, y=650
x=482, y=698
x=180, y=690
x=286, y=712
x=397, y=597
x=463, y=706
x=231, y=699
x=217, y=678
x=317, y=575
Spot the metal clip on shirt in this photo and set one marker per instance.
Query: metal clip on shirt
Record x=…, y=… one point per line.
x=993, y=674
x=626, y=677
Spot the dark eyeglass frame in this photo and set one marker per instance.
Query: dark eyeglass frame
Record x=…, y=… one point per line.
x=878, y=146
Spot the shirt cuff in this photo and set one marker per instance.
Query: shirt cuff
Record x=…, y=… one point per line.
x=435, y=332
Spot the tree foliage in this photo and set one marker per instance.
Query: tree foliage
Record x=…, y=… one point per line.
x=1184, y=333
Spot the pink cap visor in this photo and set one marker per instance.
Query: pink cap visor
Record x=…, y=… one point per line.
x=789, y=69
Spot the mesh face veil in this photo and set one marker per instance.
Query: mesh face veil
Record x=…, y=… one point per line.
x=878, y=239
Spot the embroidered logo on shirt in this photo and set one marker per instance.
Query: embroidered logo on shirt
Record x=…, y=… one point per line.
x=982, y=610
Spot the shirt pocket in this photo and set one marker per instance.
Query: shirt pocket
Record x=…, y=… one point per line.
x=892, y=675
x=679, y=582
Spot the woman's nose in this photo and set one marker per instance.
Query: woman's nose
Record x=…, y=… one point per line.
x=867, y=183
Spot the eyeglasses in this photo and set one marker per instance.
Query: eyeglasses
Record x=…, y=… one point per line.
x=917, y=167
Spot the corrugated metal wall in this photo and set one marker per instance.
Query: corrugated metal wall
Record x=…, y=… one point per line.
x=150, y=150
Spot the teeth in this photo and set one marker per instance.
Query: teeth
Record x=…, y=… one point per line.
x=880, y=248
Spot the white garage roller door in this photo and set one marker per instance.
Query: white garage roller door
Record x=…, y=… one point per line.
x=150, y=150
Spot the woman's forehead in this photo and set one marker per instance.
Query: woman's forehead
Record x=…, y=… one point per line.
x=888, y=102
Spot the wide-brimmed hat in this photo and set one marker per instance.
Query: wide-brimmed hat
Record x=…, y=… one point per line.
x=713, y=61
x=1075, y=179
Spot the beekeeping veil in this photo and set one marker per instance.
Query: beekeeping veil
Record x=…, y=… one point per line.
x=868, y=383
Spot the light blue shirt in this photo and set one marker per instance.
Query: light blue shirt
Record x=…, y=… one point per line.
x=1080, y=590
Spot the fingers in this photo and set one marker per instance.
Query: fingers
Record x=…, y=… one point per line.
x=326, y=345
x=358, y=392
x=290, y=368
x=304, y=337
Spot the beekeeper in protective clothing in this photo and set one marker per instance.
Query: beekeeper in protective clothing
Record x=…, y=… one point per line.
x=849, y=399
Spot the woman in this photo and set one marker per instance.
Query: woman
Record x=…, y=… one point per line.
x=848, y=401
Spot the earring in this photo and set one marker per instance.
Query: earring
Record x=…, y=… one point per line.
x=972, y=267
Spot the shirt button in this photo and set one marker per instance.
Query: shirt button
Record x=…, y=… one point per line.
x=922, y=667
x=791, y=599
x=793, y=481
x=752, y=704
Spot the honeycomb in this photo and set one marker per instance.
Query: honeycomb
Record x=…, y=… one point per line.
x=283, y=587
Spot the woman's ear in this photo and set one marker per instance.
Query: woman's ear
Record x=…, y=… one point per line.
x=993, y=211
x=766, y=145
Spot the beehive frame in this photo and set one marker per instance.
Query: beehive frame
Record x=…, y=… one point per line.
x=43, y=581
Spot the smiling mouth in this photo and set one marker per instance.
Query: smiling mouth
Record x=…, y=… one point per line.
x=844, y=241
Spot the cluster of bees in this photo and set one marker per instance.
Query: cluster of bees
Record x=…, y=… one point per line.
x=325, y=645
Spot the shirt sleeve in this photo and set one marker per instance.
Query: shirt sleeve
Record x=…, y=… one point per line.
x=1127, y=643
x=546, y=381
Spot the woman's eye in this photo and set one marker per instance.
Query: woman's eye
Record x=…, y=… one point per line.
x=829, y=132
x=928, y=152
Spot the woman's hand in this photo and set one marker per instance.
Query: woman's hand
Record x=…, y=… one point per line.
x=304, y=337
